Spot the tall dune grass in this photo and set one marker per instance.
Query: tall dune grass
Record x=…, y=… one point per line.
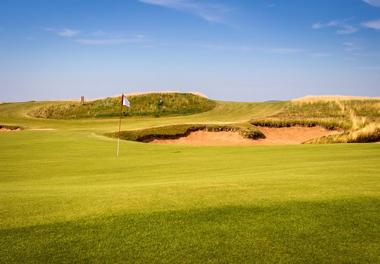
x=369, y=133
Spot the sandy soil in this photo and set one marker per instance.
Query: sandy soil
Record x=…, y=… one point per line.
x=286, y=135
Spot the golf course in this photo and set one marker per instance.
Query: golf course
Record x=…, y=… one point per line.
x=312, y=196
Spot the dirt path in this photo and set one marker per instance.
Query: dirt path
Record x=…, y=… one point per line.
x=286, y=135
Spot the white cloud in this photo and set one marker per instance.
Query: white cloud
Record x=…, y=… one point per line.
x=110, y=41
x=69, y=33
x=350, y=46
x=97, y=37
x=341, y=26
x=373, y=2
x=285, y=50
x=346, y=29
x=208, y=11
x=64, y=32
x=321, y=54
x=317, y=25
x=373, y=24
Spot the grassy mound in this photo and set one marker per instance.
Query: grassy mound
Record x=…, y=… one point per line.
x=152, y=104
x=177, y=131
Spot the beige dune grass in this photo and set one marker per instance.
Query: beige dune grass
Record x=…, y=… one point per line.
x=316, y=98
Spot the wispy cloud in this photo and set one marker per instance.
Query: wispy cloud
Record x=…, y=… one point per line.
x=350, y=46
x=373, y=24
x=320, y=54
x=285, y=51
x=211, y=12
x=342, y=27
x=97, y=37
x=110, y=41
x=373, y=2
x=249, y=48
x=64, y=32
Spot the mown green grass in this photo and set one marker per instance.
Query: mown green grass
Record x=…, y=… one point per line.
x=65, y=197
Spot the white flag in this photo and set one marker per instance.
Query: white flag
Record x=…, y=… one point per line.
x=125, y=101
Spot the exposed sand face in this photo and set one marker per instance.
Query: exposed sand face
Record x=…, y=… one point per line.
x=207, y=138
x=286, y=135
x=292, y=135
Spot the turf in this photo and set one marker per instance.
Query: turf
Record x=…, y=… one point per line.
x=65, y=197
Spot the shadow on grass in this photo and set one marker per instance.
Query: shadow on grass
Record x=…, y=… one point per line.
x=333, y=231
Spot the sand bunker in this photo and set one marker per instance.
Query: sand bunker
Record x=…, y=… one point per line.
x=286, y=135
x=6, y=129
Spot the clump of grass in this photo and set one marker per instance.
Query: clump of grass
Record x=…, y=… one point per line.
x=153, y=104
x=158, y=104
x=368, y=109
x=330, y=123
x=307, y=110
x=177, y=131
x=367, y=134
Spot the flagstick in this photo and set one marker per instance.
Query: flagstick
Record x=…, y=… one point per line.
x=118, y=135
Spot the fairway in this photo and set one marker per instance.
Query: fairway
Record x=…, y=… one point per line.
x=65, y=197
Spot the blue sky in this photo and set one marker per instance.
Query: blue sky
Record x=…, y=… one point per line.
x=248, y=50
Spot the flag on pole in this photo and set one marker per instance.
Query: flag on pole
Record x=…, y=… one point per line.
x=124, y=101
